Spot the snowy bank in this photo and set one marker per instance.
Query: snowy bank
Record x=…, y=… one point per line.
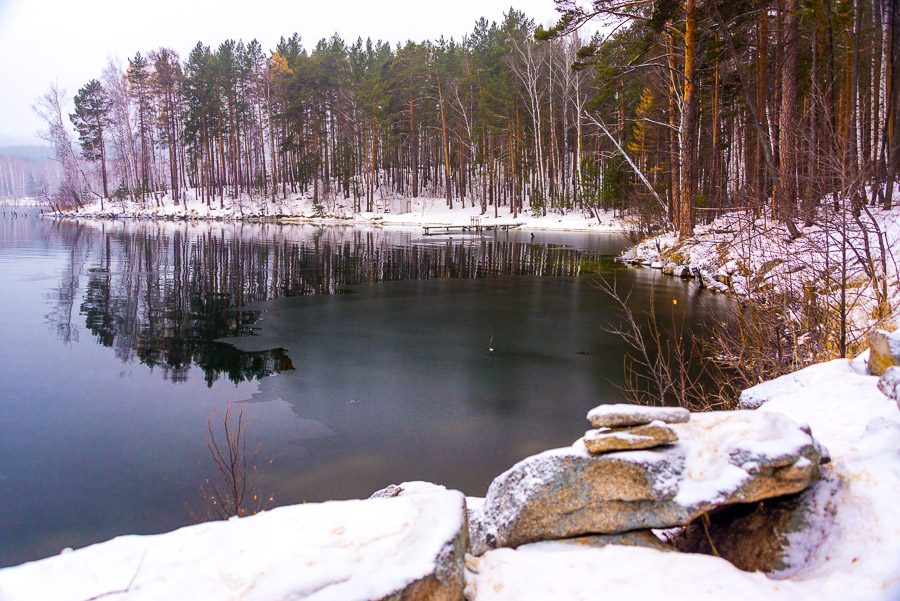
x=388, y=211
x=841, y=258
x=406, y=547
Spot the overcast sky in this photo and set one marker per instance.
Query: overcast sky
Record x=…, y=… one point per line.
x=69, y=40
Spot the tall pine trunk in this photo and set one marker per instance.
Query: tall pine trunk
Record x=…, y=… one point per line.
x=444, y=141
x=689, y=125
x=787, y=155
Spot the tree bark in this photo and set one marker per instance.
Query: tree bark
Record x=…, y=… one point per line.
x=689, y=125
x=787, y=201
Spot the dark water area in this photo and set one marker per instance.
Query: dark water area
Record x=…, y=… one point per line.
x=363, y=356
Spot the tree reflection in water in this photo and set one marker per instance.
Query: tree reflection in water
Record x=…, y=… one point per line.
x=164, y=293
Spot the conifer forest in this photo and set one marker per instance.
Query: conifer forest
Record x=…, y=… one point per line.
x=668, y=111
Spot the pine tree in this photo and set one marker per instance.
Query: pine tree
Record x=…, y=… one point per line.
x=139, y=82
x=165, y=84
x=90, y=119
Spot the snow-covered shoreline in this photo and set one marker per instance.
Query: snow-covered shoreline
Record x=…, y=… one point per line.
x=401, y=212
x=848, y=546
x=842, y=264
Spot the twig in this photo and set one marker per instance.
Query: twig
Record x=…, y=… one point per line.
x=127, y=588
x=705, y=521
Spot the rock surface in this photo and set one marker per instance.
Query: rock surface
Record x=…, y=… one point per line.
x=885, y=351
x=647, y=436
x=720, y=458
x=889, y=383
x=634, y=538
x=406, y=489
x=407, y=548
x=621, y=414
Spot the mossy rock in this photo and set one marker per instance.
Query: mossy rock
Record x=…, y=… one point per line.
x=675, y=256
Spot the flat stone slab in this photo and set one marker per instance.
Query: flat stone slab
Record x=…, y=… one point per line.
x=621, y=414
x=647, y=436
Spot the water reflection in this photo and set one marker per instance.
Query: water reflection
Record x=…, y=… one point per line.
x=163, y=293
x=390, y=382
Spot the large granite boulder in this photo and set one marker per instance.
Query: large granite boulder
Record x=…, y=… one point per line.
x=720, y=458
x=885, y=351
x=411, y=547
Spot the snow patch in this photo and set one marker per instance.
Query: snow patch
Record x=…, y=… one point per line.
x=341, y=550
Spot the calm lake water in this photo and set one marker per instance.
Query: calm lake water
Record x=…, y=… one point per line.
x=361, y=354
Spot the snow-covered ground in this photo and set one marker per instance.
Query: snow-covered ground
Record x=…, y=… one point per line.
x=850, y=548
x=389, y=211
x=337, y=551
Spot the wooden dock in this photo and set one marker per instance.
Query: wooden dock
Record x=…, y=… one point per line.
x=477, y=228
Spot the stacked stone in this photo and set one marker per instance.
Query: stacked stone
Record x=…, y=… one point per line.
x=629, y=427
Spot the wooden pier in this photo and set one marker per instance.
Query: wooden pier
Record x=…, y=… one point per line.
x=475, y=227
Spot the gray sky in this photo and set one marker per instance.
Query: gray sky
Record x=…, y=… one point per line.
x=69, y=40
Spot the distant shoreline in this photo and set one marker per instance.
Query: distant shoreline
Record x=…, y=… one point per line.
x=430, y=212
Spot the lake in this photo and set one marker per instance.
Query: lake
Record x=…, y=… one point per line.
x=363, y=356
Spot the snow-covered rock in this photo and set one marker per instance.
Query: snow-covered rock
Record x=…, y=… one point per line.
x=885, y=351
x=851, y=546
x=796, y=383
x=619, y=414
x=889, y=383
x=722, y=278
x=405, y=489
x=836, y=399
x=720, y=458
x=409, y=547
x=705, y=279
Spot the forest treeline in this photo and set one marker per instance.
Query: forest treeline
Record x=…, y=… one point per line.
x=22, y=167
x=674, y=111
x=778, y=104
